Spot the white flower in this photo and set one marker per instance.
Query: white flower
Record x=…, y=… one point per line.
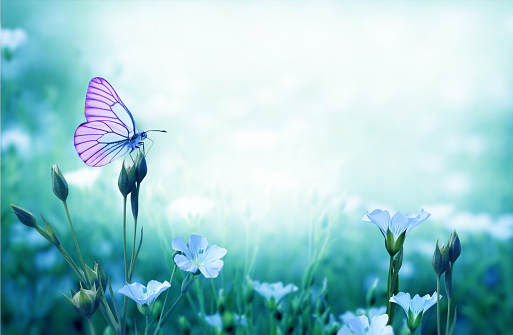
x=414, y=308
x=191, y=207
x=142, y=294
x=216, y=321
x=196, y=256
x=276, y=290
x=360, y=326
x=13, y=38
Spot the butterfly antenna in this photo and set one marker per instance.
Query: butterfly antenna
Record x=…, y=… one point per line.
x=160, y=131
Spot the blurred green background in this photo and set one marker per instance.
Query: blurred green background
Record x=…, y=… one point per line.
x=276, y=112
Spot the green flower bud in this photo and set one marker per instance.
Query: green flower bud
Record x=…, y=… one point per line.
x=25, y=217
x=85, y=302
x=134, y=201
x=108, y=331
x=145, y=309
x=228, y=319
x=59, y=184
x=184, y=325
x=126, y=180
x=186, y=283
x=394, y=245
x=141, y=169
x=371, y=296
x=454, y=247
x=221, y=301
x=51, y=233
x=97, y=277
x=414, y=322
x=398, y=261
x=440, y=260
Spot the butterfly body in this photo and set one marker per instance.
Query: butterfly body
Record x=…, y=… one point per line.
x=110, y=130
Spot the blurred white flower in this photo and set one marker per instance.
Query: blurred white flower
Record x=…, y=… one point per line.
x=83, y=178
x=12, y=39
x=276, y=291
x=216, y=321
x=191, y=207
x=16, y=138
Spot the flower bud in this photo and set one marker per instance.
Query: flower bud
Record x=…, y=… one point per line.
x=85, y=302
x=185, y=283
x=398, y=261
x=51, y=233
x=141, y=169
x=134, y=202
x=97, y=277
x=221, y=301
x=184, y=325
x=25, y=217
x=414, y=322
x=125, y=181
x=454, y=247
x=146, y=309
x=440, y=260
x=372, y=294
x=59, y=184
x=394, y=245
x=228, y=321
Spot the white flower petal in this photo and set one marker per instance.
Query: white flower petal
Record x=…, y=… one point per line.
x=196, y=243
x=178, y=244
x=185, y=264
x=212, y=270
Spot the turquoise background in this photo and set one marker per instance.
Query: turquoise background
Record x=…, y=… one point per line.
x=277, y=112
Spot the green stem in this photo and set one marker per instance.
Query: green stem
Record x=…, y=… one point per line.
x=390, y=289
x=146, y=329
x=91, y=326
x=125, y=303
x=271, y=323
x=75, y=238
x=448, y=315
x=438, y=304
x=132, y=262
x=168, y=313
x=165, y=299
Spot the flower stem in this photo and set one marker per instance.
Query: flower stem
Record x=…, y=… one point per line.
x=125, y=303
x=271, y=324
x=132, y=262
x=438, y=305
x=390, y=289
x=75, y=238
x=168, y=313
x=448, y=315
x=91, y=326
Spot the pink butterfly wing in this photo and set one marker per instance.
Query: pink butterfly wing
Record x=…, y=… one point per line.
x=109, y=128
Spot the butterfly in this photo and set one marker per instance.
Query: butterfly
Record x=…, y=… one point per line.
x=110, y=130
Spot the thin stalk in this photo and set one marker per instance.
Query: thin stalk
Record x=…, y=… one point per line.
x=91, y=326
x=165, y=299
x=438, y=305
x=132, y=262
x=168, y=313
x=272, y=328
x=146, y=328
x=389, y=288
x=125, y=302
x=448, y=315
x=74, y=236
